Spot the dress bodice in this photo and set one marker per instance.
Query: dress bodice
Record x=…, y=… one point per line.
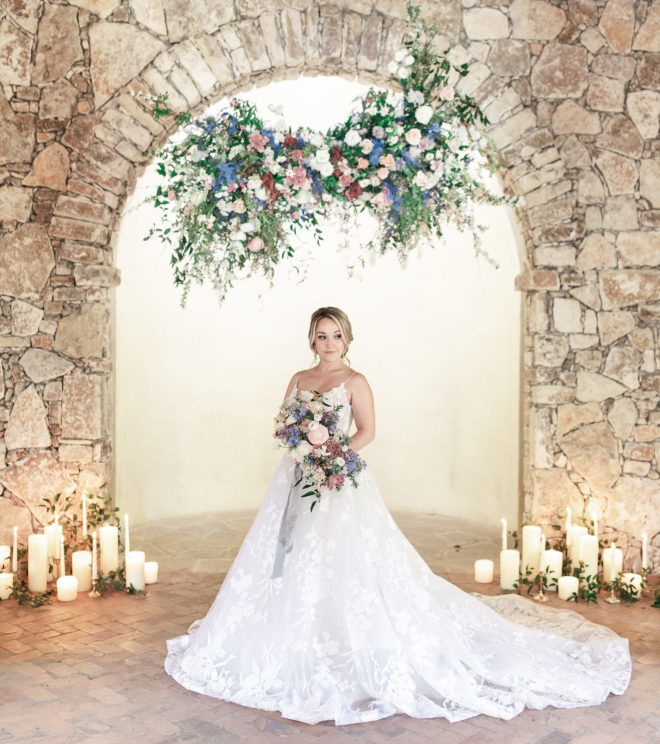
x=337, y=396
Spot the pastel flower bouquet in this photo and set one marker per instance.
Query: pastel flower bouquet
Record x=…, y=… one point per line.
x=236, y=189
x=306, y=426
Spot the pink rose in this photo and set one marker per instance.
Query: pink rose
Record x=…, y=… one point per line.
x=367, y=146
x=387, y=160
x=413, y=136
x=258, y=141
x=383, y=173
x=171, y=195
x=446, y=93
x=256, y=244
x=345, y=179
x=318, y=436
x=362, y=163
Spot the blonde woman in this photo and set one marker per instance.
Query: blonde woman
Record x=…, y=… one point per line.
x=331, y=614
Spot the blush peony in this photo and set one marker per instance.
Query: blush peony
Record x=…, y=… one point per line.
x=318, y=436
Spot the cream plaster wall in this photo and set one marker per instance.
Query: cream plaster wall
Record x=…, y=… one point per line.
x=197, y=388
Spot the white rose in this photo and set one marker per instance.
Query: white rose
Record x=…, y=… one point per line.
x=399, y=56
x=393, y=67
x=290, y=420
x=316, y=139
x=302, y=450
x=305, y=395
x=424, y=114
x=261, y=193
x=403, y=72
x=322, y=156
x=304, y=196
x=340, y=461
x=318, y=416
x=254, y=182
x=409, y=60
x=313, y=425
x=326, y=169
x=247, y=227
x=352, y=137
x=315, y=407
x=416, y=97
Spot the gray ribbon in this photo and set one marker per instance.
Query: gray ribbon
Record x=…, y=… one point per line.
x=284, y=543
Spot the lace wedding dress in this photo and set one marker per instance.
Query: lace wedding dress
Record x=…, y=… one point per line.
x=333, y=615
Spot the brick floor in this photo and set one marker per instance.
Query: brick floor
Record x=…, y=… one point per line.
x=92, y=671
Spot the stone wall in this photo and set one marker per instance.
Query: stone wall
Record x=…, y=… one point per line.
x=572, y=89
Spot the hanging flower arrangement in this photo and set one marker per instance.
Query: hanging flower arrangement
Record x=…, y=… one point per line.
x=237, y=189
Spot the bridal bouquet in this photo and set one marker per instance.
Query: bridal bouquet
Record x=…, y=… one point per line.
x=307, y=427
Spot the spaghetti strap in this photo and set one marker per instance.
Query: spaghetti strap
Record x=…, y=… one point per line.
x=349, y=377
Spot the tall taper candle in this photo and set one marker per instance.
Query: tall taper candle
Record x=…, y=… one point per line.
x=531, y=541
x=575, y=533
x=14, y=557
x=37, y=563
x=81, y=568
x=503, y=533
x=95, y=570
x=84, y=515
x=509, y=568
x=612, y=562
x=589, y=554
x=109, y=536
x=645, y=552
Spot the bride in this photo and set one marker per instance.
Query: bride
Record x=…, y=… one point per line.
x=331, y=614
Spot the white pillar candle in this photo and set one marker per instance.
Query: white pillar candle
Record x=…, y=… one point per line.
x=568, y=585
x=551, y=561
x=568, y=526
x=645, y=555
x=58, y=532
x=575, y=531
x=483, y=571
x=612, y=568
x=81, y=568
x=52, y=533
x=632, y=580
x=5, y=557
x=95, y=571
x=503, y=533
x=37, y=563
x=589, y=554
x=109, y=537
x=14, y=558
x=135, y=569
x=84, y=517
x=127, y=539
x=67, y=588
x=6, y=585
x=150, y=572
x=62, y=563
x=509, y=568
x=595, y=521
x=531, y=541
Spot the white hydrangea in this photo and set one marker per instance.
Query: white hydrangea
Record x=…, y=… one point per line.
x=400, y=55
x=393, y=67
x=409, y=60
x=403, y=72
x=416, y=97
x=352, y=137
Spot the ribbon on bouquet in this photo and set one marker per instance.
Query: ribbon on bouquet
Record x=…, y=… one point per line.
x=284, y=542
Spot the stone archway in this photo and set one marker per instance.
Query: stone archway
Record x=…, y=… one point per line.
x=573, y=97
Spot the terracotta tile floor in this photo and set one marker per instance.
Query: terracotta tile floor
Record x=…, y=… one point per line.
x=91, y=671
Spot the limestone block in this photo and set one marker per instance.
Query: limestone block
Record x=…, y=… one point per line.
x=643, y=107
x=614, y=324
x=650, y=314
x=107, y=160
x=26, y=14
x=82, y=406
x=560, y=72
x=27, y=425
x=552, y=394
x=50, y=168
x=510, y=58
x=18, y=134
x=620, y=213
x=639, y=248
x=571, y=416
x=119, y=52
x=159, y=85
x=620, y=173
x=129, y=128
x=96, y=276
x=150, y=13
x=551, y=213
x=592, y=386
x=617, y=23
x=91, y=480
x=635, y=467
x=58, y=43
x=571, y=118
x=554, y=256
x=61, y=227
x=592, y=39
x=80, y=132
x=101, y=8
x=41, y=365
x=582, y=340
x=648, y=36
x=535, y=19
x=82, y=208
x=592, y=451
x=617, y=66
x=82, y=334
x=638, y=451
x=574, y=154
x=537, y=279
x=36, y=477
x=550, y=349
x=628, y=287
x=587, y=295
x=25, y=318
x=541, y=426
x=583, y=12
x=75, y=453
x=605, y=94
x=294, y=42
x=590, y=188
x=13, y=514
x=595, y=253
x=642, y=338
x=649, y=180
x=351, y=39
x=485, y=23
x=188, y=20
x=15, y=203
x=184, y=84
x=192, y=61
x=370, y=43
x=622, y=364
x=621, y=136
x=58, y=100
x=16, y=47
x=553, y=491
x=273, y=41
x=632, y=502
x=26, y=260
x=646, y=433
x=567, y=315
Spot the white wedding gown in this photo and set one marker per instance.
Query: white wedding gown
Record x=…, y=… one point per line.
x=337, y=617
